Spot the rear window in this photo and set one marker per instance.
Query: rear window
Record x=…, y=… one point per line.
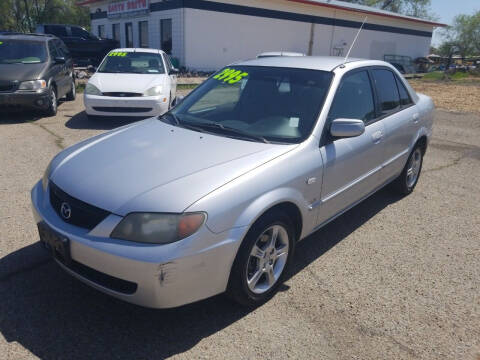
x=132, y=63
x=22, y=51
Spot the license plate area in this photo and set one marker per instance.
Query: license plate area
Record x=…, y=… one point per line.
x=57, y=244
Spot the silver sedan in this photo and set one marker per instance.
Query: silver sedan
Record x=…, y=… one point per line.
x=214, y=195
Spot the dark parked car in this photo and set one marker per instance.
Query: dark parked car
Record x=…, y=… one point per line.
x=84, y=46
x=35, y=71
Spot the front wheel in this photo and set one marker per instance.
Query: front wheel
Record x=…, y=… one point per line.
x=407, y=180
x=263, y=260
x=52, y=102
x=72, y=94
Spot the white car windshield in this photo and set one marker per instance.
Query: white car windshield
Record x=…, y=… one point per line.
x=132, y=63
x=256, y=102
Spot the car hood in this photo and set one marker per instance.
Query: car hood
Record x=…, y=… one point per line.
x=138, y=83
x=156, y=167
x=20, y=72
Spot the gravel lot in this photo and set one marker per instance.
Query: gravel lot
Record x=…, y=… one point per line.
x=391, y=279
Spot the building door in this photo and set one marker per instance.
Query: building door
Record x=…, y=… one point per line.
x=116, y=31
x=143, y=33
x=128, y=35
x=166, y=35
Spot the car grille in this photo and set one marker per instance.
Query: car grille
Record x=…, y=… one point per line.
x=7, y=86
x=100, y=278
x=82, y=214
x=122, y=94
x=122, y=109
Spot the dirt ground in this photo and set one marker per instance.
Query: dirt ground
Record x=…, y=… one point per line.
x=460, y=96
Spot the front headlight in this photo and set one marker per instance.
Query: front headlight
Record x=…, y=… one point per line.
x=91, y=89
x=46, y=176
x=154, y=91
x=32, y=85
x=155, y=228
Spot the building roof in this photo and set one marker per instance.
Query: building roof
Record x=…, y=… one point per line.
x=341, y=5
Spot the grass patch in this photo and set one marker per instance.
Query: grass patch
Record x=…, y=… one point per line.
x=186, y=86
x=439, y=76
x=80, y=87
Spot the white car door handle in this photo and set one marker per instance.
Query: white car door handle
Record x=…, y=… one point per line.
x=377, y=136
x=415, y=118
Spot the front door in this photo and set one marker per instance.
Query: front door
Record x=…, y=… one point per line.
x=351, y=165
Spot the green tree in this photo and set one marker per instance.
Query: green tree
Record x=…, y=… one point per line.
x=464, y=34
x=24, y=15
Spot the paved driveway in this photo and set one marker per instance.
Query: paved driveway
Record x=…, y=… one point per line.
x=391, y=279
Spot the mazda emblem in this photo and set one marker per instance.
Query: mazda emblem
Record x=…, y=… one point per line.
x=66, y=211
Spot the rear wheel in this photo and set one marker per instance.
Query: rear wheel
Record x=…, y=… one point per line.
x=72, y=94
x=407, y=180
x=263, y=260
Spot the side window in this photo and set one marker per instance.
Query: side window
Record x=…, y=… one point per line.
x=387, y=90
x=79, y=32
x=52, y=50
x=354, y=98
x=62, y=49
x=405, y=99
x=56, y=30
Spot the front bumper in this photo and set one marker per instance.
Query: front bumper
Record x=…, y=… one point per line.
x=24, y=100
x=166, y=276
x=145, y=106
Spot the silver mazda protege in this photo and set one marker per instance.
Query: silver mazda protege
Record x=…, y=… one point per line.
x=213, y=196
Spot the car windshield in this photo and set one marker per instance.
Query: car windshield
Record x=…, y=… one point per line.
x=22, y=52
x=261, y=103
x=132, y=63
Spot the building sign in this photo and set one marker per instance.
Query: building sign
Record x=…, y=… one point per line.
x=127, y=7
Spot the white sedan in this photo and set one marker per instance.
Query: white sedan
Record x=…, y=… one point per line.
x=131, y=82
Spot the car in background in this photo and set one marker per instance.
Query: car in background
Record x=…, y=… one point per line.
x=84, y=46
x=279, y=53
x=35, y=71
x=214, y=195
x=131, y=82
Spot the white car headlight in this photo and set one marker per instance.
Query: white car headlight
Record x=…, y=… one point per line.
x=158, y=228
x=154, y=91
x=91, y=89
x=32, y=85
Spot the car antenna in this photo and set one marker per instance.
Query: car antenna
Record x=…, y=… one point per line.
x=354, y=40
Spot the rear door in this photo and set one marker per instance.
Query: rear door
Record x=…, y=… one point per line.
x=67, y=70
x=399, y=115
x=351, y=165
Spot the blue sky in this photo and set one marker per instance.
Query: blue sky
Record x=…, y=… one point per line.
x=446, y=10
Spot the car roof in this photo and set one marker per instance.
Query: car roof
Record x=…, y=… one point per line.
x=31, y=37
x=325, y=63
x=144, y=50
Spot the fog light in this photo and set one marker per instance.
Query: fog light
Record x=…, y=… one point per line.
x=40, y=102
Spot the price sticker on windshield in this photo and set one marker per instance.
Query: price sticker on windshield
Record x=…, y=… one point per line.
x=230, y=76
x=120, y=54
x=1, y=42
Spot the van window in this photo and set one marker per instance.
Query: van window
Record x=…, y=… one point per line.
x=354, y=98
x=387, y=90
x=57, y=30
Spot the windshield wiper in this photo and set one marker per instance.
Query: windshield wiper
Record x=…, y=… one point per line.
x=238, y=132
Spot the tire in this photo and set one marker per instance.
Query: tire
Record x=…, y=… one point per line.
x=256, y=275
x=408, y=179
x=53, y=102
x=72, y=94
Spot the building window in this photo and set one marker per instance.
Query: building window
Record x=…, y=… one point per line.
x=101, y=31
x=166, y=35
x=129, y=35
x=116, y=31
x=143, y=33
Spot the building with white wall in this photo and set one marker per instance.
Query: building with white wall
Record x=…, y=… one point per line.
x=206, y=35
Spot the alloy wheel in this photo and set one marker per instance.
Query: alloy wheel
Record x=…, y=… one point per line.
x=413, y=169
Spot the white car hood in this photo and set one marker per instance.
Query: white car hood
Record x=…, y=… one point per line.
x=138, y=83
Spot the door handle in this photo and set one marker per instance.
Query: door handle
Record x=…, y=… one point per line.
x=415, y=118
x=377, y=136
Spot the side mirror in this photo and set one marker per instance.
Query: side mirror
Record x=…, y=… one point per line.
x=91, y=68
x=173, y=71
x=60, y=60
x=178, y=100
x=341, y=128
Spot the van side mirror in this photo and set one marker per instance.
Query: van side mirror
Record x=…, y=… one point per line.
x=173, y=71
x=60, y=60
x=342, y=128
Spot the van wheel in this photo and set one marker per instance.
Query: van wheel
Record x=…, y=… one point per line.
x=53, y=102
x=72, y=94
x=263, y=260
x=407, y=180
